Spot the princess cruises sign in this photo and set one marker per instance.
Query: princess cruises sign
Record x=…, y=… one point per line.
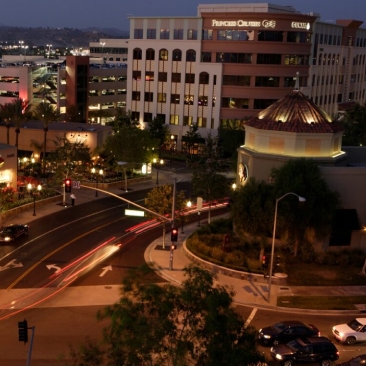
x=256, y=24
x=244, y=23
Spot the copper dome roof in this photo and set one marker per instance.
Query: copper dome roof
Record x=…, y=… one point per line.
x=295, y=113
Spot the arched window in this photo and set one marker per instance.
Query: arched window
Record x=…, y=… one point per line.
x=150, y=54
x=177, y=55
x=191, y=56
x=137, y=54
x=163, y=55
x=204, y=78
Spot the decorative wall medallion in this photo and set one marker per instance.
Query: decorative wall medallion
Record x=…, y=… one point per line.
x=243, y=173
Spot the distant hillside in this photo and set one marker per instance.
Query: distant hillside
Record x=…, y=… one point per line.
x=58, y=37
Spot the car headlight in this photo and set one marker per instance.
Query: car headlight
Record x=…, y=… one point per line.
x=279, y=357
x=266, y=336
x=7, y=238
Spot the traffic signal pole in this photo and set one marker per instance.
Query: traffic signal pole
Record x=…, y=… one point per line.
x=30, y=346
x=23, y=337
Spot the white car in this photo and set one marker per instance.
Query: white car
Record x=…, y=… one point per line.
x=352, y=332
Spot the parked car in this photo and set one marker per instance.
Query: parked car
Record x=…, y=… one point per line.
x=284, y=332
x=11, y=232
x=351, y=332
x=304, y=350
x=355, y=361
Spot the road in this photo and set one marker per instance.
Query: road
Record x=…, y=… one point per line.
x=61, y=239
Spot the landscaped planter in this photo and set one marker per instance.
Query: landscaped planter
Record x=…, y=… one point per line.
x=14, y=211
x=214, y=268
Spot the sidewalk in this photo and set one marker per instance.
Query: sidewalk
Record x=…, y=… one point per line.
x=246, y=292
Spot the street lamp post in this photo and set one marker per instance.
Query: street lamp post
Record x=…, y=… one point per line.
x=301, y=199
x=100, y=172
x=189, y=204
x=39, y=188
x=157, y=165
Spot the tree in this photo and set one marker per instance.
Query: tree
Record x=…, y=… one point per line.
x=160, y=200
x=191, y=324
x=354, y=123
x=17, y=111
x=73, y=114
x=192, y=137
x=252, y=209
x=123, y=119
x=158, y=130
x=231, y=136
x=6, y=113
x=128, y=147
x=46, y=113
x=208, y=180
x=303, y=177
x=68, y=158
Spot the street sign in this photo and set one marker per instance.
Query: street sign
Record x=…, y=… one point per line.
x=76, y=184
x=134, y=213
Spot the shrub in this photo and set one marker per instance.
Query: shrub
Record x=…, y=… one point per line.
x=217, y=254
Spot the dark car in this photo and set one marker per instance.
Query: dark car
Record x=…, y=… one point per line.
x=11, y=232
x=286, y=331
x=306, y=350
x=355, y=361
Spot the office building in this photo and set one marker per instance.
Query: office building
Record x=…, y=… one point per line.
x=233, y=60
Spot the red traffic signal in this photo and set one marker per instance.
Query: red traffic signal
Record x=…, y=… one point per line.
x=68, y=183
x=174, y=234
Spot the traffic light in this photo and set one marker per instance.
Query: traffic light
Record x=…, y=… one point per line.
x=173, y=246
x=278, y=262
x=265, y=260
x=68, y=183
x=23, y=331
x=174, y=234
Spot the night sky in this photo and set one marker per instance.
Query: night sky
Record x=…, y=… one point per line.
x=113, y=13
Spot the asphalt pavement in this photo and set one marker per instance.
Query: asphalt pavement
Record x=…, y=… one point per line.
x=171, y=266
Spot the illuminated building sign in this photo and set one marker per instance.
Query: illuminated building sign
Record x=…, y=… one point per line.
x=299, y=25
x=244, y=23
x=256, y=24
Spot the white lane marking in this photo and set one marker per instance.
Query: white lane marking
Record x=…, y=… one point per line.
x=250, y=318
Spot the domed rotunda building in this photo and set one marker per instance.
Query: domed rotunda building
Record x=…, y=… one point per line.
x=294, y=127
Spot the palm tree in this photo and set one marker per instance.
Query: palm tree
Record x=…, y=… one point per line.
x=19, y=110
x=46, y=113
x=5, y=114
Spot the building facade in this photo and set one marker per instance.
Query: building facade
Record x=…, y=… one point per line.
x=233, y=60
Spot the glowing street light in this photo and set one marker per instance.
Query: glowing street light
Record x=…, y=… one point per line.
x=100, y=173
x=34, y=193
x=161, y=162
